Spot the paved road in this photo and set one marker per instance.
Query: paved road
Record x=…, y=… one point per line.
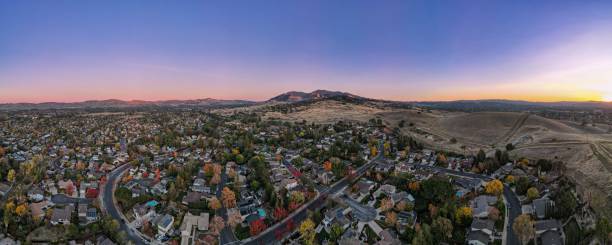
x=513, y=203
x=109, y=205
x=279, y=230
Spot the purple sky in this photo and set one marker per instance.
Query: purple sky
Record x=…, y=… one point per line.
x=401, y=50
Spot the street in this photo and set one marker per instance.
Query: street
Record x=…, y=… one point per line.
x=108, y=204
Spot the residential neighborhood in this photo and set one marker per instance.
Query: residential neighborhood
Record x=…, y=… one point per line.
x=185, y=177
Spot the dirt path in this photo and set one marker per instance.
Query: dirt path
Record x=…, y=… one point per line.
x=603, y=154
x=517, y=125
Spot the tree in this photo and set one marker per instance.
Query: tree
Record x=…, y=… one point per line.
x=481, y=156
x=10, y=177
x=172, y=192
x=443, y=227
x=327, y=165
x=2, y=151
x=21, y=210
x=297, y=197
x=8, y=211
x=217, y=225
x=523, y=227
x=280, y=213
x=401, y=206
x=208, y=169
x=335, y=232
x=522, y=184
x=391, y=218
x=257, y=227
x=533, y=193
x=494, y=187
x=442, y=160
x=494, y=214
x=234, y=219
x=386, y=204
x=436, y=190
x=216, y=179
x=423, y=236
x=463, y=215
x=510, y=179
x=229, y=198
x=239, y=159
x=565, y=204
x=307, y=231
x=414, y=186
x=373, y=151
x=214, y=203
x=603, y=230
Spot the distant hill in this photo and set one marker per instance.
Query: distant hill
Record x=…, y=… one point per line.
x=113, y=103
x=296, y=96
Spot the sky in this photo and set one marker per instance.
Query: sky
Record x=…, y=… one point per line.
x=69, y=51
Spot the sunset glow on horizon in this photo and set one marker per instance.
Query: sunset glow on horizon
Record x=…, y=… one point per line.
x=69, y=51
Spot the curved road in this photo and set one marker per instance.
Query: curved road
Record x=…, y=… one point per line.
x=108, y=203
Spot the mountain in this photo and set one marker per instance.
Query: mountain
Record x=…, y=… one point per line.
x=296, y=96
x=114, y=103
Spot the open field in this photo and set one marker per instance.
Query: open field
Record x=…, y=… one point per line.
x=587, y=150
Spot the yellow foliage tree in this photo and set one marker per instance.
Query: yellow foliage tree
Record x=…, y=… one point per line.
x=21, y=210
x=9, y=206
x=533, y=193
x=523, y=227
x=494, y=187
x=510, y=179
x=10, y=177
x=308, y=232
x=462, y=214
x=373, y=151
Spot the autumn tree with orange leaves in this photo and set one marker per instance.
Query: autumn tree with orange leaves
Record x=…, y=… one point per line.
x=386, y=204
x=327, y=165
x=229, y=198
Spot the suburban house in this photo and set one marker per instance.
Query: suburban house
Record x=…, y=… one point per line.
x=549, y=232
x=481, y=205
x=163, y=223
x=191, y=225
x=481, y=232
x=62, y=215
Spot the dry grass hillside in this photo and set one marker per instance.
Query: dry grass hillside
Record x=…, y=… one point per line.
x=587, y=151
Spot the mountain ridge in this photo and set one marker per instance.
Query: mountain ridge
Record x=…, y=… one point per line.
x=320, y=94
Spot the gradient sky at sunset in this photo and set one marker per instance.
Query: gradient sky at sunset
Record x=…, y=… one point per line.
x=400, y=50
